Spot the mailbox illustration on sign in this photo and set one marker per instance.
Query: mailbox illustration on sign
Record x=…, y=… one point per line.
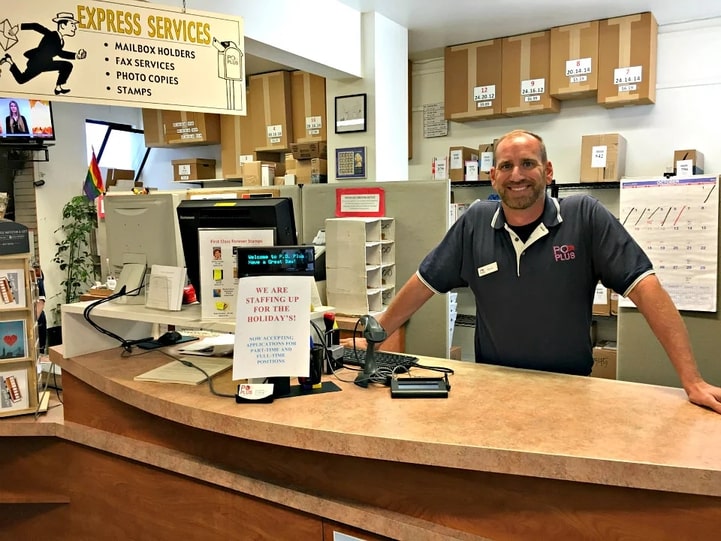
x=230, y=68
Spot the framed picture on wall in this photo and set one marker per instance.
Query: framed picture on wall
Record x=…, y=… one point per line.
x=350, y=162
x=13, y=340
x=350, y=113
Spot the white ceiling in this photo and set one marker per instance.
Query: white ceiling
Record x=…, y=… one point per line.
x=434, y=24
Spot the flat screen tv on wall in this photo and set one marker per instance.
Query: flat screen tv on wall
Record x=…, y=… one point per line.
x=25, y=121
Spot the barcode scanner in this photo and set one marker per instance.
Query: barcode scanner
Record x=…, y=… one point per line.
x=373, y=333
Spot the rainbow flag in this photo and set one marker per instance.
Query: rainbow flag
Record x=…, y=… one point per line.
x=93, y=186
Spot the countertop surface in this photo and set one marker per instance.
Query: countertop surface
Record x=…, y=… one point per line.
x=495, y=419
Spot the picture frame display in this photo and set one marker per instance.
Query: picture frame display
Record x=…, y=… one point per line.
x=13, y=339
x=350, y=113
x=350, y=163
x=14, y=389
x=12, y=289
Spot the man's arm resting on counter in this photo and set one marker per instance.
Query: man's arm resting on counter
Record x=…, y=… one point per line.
x=410, y=298
x=658, y=309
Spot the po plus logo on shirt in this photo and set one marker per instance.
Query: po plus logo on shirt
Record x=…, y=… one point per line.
x=564, y=252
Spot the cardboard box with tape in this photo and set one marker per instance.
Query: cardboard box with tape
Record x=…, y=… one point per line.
x=270, y=101
x=308, y=107
x=574, y=61
x=603, y=157
x=190, y=169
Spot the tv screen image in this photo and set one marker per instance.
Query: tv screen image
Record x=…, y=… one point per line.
x=26, y=120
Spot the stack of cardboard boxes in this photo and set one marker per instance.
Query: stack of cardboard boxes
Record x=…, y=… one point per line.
x=284, y=108
x=307, y=163
x=611, y=59
x=605, y=303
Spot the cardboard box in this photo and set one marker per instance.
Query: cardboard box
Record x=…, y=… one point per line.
x=163, y=129
x=306, y=151
x=272, y=120
x=627, y=60
x=486, y=160
x=574, y=61
x=313, y=171
x=153, y=128
x=308, y=107
x=257, y=173
x=458, y=156
x=526, y=73
x=187, y=128
x=605, y=360
x=193, y=169
x=236, y=144
x=603, y=157
x=687, y=162
x=114, y=175
x=601, y=302
x=613, y=302
x=472, y=81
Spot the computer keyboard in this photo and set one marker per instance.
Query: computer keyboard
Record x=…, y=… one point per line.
x=357, y=357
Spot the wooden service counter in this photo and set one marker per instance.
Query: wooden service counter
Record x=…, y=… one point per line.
x=511, y=454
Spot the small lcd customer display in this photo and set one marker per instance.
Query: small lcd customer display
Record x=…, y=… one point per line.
x=275, y=261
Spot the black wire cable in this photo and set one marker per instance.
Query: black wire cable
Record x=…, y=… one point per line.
x=209, y=379
x=126, y=344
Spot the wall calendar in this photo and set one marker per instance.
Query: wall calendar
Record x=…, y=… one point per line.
x=675, y=220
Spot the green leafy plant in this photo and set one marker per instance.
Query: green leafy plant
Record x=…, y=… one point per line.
x=75, y=254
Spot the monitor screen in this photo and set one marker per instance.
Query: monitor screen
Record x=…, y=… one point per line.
x=276, y=261
x=143, y=224
x=194, y=214
x=26, y=120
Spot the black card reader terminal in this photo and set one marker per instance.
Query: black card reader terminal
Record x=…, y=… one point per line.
x=419, y=388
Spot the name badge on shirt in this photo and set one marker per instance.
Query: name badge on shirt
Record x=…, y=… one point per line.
x=487, y=269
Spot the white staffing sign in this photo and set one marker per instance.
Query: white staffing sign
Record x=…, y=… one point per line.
x=128, y=54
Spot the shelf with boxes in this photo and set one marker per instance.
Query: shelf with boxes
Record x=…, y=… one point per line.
x=285, y=108
x=360, y=264
x=612, y=59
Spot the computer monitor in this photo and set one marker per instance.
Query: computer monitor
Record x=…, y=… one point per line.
x=143, y=224
x=274, y=213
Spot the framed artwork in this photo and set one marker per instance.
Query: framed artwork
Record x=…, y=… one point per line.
x=350, y=113
x=350, y=162
x=13, y=339
x=14, y=390
x=12, y=288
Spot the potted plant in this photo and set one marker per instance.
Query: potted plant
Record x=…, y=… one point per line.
x=76, y=254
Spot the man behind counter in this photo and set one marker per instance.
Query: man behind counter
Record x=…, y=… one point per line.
x=533, y=263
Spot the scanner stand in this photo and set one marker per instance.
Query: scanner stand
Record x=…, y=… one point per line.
x=133, y=278
x=373, y=334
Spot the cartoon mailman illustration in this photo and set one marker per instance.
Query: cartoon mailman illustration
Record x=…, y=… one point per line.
x=43, y=57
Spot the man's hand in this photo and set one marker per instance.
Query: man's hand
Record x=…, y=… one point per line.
x=360, y=343
x=82, y=53
x=706, y=395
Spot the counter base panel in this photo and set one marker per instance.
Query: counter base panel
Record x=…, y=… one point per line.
x=478, y=503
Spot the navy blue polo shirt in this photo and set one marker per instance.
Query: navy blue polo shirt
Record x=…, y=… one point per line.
x=534, y=299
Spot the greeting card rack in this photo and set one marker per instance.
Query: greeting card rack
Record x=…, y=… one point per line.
x=18, y=336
